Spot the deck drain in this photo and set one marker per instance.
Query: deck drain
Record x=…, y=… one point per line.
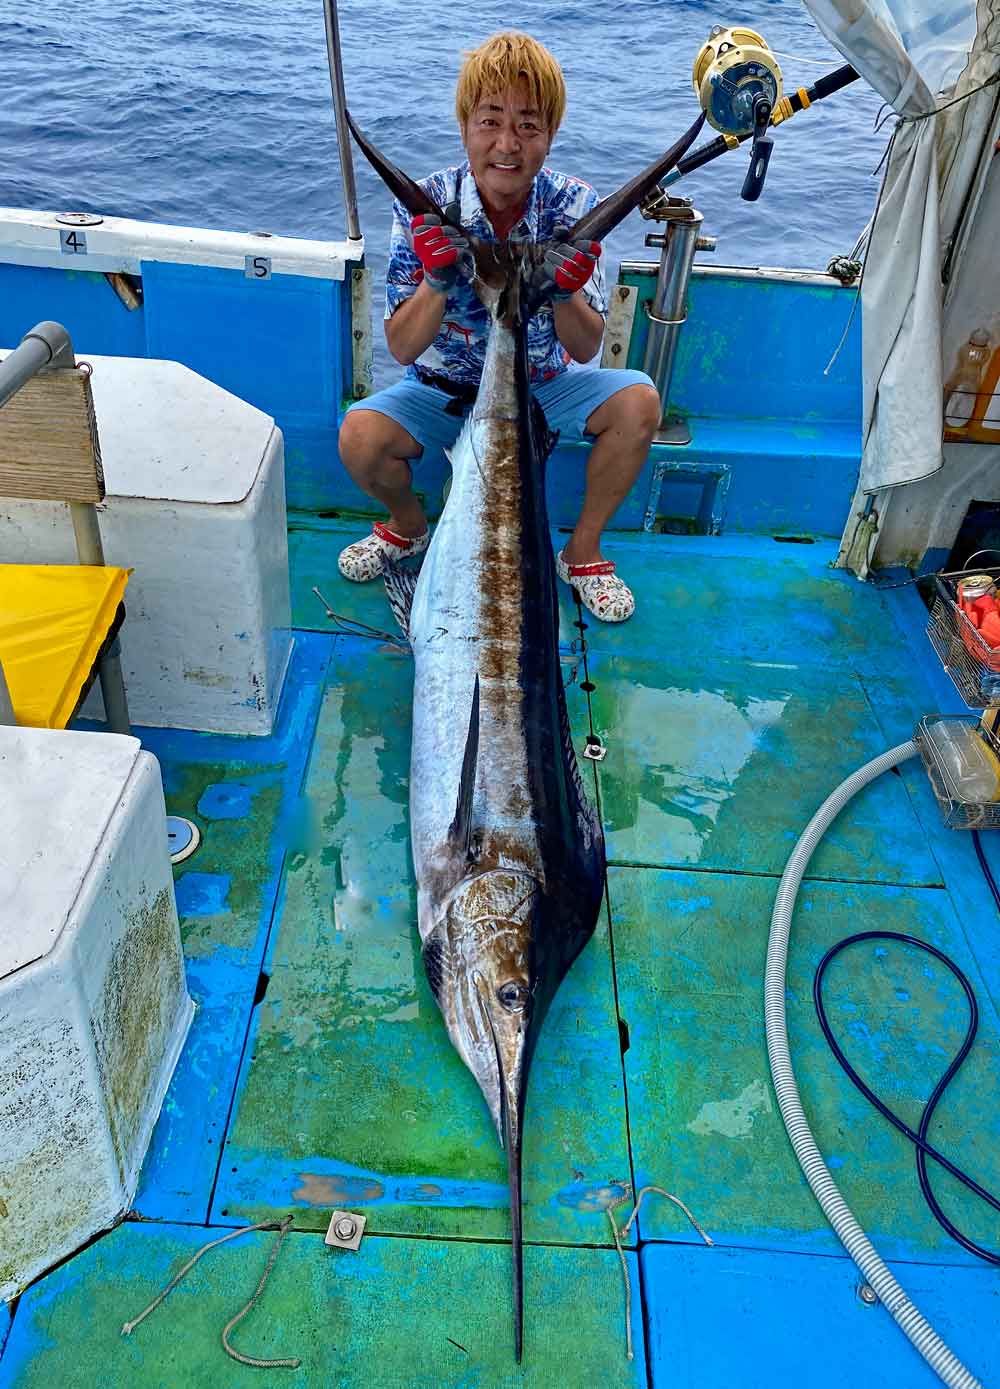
x=183, y=837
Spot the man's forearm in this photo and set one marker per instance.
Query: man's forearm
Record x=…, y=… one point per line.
x=415, y=324
x=578, y=327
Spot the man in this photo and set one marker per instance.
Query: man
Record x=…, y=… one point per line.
x=509, y=101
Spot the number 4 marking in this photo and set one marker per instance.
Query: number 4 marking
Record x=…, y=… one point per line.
x=73, y=243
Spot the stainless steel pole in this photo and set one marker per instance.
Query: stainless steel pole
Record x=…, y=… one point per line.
x=6, y=706
x=340, y=111
x=113, y=689
x=90, y=550
x=668, y=309
x=87, y=531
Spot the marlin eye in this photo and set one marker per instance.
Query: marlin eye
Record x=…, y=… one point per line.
x=514, y=997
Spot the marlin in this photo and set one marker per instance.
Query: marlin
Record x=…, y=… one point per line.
x=507, y=850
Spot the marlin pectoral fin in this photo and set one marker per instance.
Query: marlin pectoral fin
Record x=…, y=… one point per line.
x=409, y=193
x=602, y=219
x=434, y=954
x=400, y=586
x=461, y=827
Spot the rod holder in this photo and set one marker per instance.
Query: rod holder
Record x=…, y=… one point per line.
x=668, y=310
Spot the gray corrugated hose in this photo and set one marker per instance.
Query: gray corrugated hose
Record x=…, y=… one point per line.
x=923, y=1336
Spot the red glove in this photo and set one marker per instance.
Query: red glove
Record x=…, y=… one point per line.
x=437, y=246
x=570, y=265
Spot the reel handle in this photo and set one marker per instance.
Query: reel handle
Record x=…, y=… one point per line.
x=760, y=155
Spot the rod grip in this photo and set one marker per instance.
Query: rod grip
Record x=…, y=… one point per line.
x=833, y=82
x=702, y=156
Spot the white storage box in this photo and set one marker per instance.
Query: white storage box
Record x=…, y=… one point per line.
x=93, y=1003
x=196, y=507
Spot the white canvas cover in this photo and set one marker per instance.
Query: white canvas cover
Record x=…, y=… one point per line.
x=917, y=54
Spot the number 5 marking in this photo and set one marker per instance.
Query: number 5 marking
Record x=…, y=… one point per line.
x=258, y=268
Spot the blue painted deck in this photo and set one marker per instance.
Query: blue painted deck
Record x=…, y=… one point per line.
x=757, y=1319
x=318, y=1074
x=751, y=680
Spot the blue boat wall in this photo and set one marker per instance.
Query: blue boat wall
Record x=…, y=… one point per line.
x=769, y=400
x=266, y=317
x=775, y=436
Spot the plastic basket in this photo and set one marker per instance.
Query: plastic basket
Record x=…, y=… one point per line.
x=958, y=814
x=972, y=664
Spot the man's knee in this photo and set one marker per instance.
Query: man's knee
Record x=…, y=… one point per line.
x=635, y=411
x=368, y=440
x=640, y=405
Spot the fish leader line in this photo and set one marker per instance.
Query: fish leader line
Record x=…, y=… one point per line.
x=588, y=685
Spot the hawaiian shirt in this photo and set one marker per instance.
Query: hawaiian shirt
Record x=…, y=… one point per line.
x=556, y=202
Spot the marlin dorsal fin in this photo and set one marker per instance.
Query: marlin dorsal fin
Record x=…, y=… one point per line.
x=461, y=827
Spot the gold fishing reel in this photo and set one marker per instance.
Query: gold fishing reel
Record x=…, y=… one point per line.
x=736, y=75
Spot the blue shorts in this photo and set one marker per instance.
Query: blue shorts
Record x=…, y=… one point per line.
x=568, y=400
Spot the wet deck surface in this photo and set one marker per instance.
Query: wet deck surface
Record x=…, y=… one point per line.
x=318, y=1074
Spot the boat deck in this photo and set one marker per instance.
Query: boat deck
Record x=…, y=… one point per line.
x=751, y=681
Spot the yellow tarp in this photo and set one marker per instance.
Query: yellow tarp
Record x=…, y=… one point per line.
x=54, y=619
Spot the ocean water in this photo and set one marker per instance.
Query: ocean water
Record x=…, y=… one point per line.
x=214, y=113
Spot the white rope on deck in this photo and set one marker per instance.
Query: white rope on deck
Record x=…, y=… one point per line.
x=621, y=1252
x=282, y=1226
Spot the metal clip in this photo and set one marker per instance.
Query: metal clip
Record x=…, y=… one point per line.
x=660, y=206
x=345, y=1230
x=595, y=751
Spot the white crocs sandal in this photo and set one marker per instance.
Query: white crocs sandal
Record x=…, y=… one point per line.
x=599, y=589
x=366, y=559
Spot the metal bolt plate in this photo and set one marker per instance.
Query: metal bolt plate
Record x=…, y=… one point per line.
x=79, y=219
x=595, y=751
x=183, y=837
x=345, y=1230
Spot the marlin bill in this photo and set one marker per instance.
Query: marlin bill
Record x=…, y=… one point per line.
x=508, y=852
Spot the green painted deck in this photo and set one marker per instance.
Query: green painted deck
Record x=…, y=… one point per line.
x=318, y=1075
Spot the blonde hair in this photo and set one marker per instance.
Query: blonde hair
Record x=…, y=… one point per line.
x=508, y=60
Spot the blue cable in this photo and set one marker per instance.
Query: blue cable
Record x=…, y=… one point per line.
x=987, y=871
x=918, y=1138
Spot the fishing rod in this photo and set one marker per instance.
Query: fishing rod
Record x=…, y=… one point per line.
x=738, y=82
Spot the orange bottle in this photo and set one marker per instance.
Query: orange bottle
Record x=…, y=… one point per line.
x=963, y=385
x=984, y=426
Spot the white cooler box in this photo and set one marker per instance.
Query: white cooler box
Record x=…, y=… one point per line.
x=93, y=1002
